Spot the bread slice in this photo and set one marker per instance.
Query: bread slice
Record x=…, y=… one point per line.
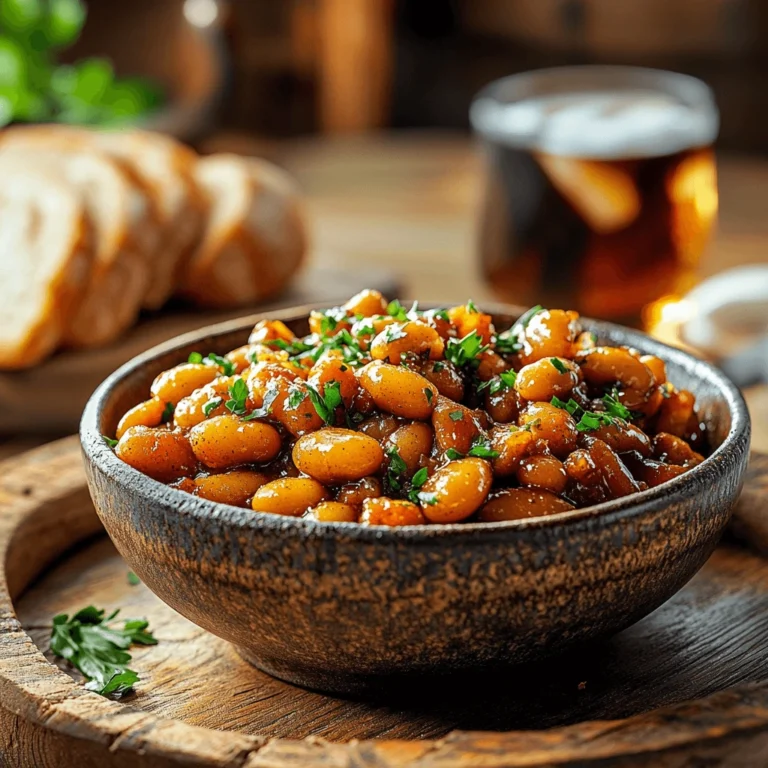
x=165, y=166
x=255, y=236
x=119, y=273
x=45, y=260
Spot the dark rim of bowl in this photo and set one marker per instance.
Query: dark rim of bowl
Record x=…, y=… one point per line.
x=679, y=487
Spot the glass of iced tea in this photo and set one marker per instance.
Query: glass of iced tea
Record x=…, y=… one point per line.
x=601, y=188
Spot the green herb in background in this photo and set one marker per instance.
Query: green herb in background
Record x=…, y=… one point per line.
x=133, y=579
x=98, y=650
x=34, y=87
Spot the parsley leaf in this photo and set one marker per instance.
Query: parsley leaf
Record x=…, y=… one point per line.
x=558, y=364
x=397, y=310
x=505, y=380
x=426, y=497
x=456, y=415
x=428, y=392
x=452, y=454
x=394, y=332
x=238, y=394
x=395, y=470
x=211, y=406
x=586, y=420
x=438, y=366
x=195, y=357
x=508, y=342
x=481, y=448
x=266, y=405
x=133, y=579
x=98, y=650
x=167, y=412
x=227, y=367
x=296, y=397
x=110, y=441
x=327, y=403
x=471, y=308
x=417, y=481
x=615, y=407
x=465, y=351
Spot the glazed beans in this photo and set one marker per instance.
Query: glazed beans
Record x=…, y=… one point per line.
x=398, y=391
x=391, y=512
x=520, y=504
x=289, y=496
x=150, y=413
x=458, y=489
x=181, y=381
x=389, y=415
x=411, y=338
x=547, y=378
x=332, y=512
x=160, y=453
x=235, y=487
x=226, y=441
x=334, y=456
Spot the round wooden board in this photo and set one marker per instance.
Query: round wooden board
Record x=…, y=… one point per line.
x=686, y=686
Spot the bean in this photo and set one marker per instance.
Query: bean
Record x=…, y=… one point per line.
x=328, y=323
x=467, y=320
x=271, y=330
x=616, y=477
x=147, y=414
x=503, y=405
x=190, y=409
x=650, y=471
x=391, y=512
x=586, y=341
x=547, y=378
x=552, y=425
x=604, y=366
x=675, y=413
x=162, y=454
x=455, y=426
x=379, y=427
x=656, y=366
x=335, y=369
x=445, y=376
x=334, y=456
x=292, y=407
x=367, y=303
x=521, y=504
x=512, y=444
x=398, y=390
x=623, y=437
x=235, y=487
x=357, y=492
x=549, y=333
x=490, y=365
x=459, y=489
x=225, y=441
x=413, y=442
x=262, y=375
x=581, y=468
x=332, y=512
x=674, y=450
x=436, y=319
x=410, y=338
x=174, y=384
x=544, y=472
x=289, y=496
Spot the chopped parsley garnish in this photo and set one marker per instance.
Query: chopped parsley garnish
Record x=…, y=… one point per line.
x=428, y=392
x=98, y=650
x=266, y=405
x=397, y=310
x=558, y=364
x=211, y=406
x=327, y=403
x=395, y=470
x=615, y=407
x=426, y=497
x=442, y=314
x=227, y=367
x=456, y=415
x=452, y=454
x=297, y=347
x=465, y=351
x=133, y=579
x=508, y=342
x=418, y=479
x=111, y=442
x=471, y=308
x=167, y=414
x=394, y=332
x=195, y=357
x=238, y=395
x=296, y=397
x=505, y=380
x=586, y=420
x=330, y=319
x=364, y=328
x=438, y=366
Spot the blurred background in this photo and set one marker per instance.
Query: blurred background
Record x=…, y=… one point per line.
x=366, y=104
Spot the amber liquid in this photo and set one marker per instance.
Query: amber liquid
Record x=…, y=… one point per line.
x=604, y=237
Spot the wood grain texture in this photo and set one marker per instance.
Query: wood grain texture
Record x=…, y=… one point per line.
x=198, y=704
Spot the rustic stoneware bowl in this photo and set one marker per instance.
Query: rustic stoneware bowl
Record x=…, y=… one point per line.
x=345, y=608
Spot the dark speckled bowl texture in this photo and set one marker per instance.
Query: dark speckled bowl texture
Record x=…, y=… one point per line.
x=345, y=608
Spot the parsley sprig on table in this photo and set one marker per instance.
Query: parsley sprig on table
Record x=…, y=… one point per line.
x=99, y=650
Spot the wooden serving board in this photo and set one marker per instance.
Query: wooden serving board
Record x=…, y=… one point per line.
x=50, y=398
x=686, y=686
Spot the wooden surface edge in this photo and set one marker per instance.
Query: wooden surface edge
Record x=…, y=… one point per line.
x=46, y=719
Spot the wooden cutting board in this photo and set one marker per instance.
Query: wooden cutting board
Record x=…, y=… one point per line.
x=686, y=686
x=50, y=398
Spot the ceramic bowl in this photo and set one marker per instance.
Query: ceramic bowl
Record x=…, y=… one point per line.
x=345, y=608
